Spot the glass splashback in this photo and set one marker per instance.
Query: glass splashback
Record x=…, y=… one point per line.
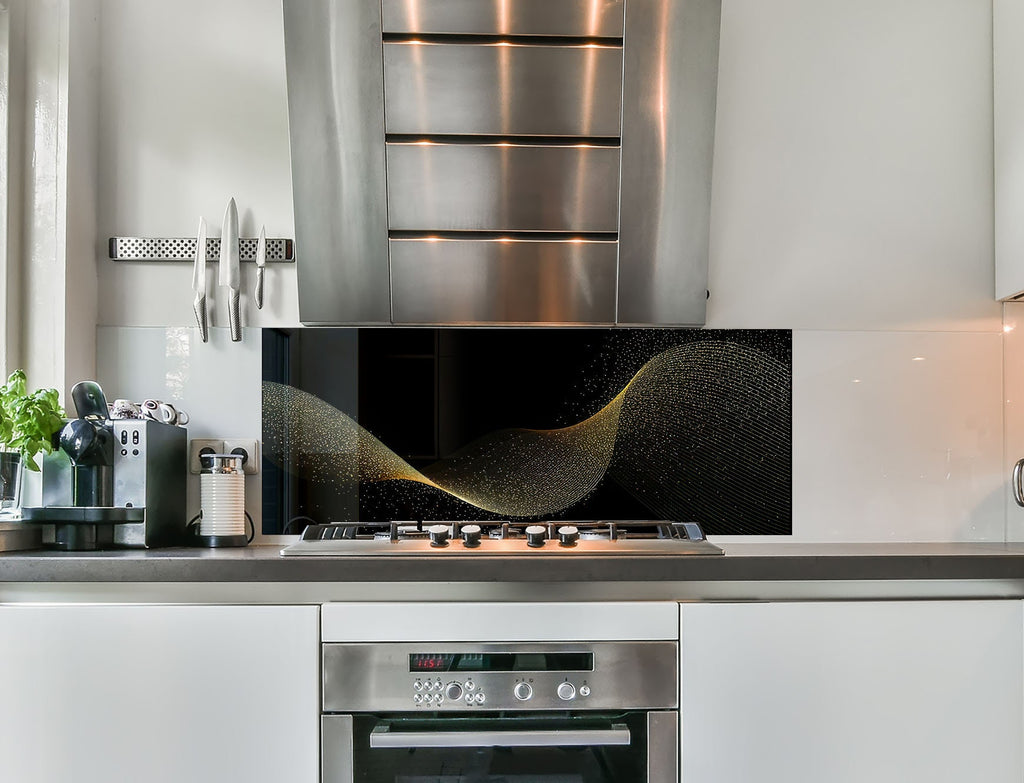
x=548, y=424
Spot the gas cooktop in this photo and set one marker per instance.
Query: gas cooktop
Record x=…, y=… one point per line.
x=634, y=538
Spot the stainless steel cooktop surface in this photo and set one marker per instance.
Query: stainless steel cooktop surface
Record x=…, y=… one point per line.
x=503, y=538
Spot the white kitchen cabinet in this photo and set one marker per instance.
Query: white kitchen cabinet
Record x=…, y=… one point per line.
x=161, y=694
x=850, y=692
x=1008, y=133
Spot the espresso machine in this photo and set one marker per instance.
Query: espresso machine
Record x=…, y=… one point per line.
x=112, y=483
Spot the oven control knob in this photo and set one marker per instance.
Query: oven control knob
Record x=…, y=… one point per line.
x=568, y=535
x=584, y=690
x=471, y=535
x=438, y=535
x=453, y=692
x=536, y=535
x=566, y=691
x=522, y=691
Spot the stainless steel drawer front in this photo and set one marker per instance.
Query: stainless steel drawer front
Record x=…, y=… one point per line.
x=598, y=18
x=376, y=678
x=502, y=89
x=493, y=281
x=502, y=187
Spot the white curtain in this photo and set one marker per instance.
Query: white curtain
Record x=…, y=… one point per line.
x=5, y=113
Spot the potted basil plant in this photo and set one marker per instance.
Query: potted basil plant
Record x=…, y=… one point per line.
x=28, y=423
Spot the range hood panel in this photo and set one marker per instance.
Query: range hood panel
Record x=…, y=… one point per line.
x=336, y=127
x=581, y=132
x=503, y=282
x=502, y=188
x=438, y=88
x=592, y=18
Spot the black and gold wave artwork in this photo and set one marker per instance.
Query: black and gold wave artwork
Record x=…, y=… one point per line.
x=701, y=432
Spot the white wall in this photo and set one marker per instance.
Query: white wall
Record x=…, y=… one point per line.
x=852, y=203
x=194, y=112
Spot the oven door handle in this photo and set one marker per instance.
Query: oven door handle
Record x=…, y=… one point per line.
x=383, y=737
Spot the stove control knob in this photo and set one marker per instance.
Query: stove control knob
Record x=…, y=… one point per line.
x=536, y=535
x=566, y=691
x=471, y=535
x=568, y=535
x=438, y=535
x=522, y=691
x=453, y=692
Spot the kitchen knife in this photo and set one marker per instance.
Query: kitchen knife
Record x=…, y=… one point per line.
x=229, y=274
x=261, y=262
x=199, y=281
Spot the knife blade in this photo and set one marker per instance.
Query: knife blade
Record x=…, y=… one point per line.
x=199, y=282
x=261, y=262
x=229, y=272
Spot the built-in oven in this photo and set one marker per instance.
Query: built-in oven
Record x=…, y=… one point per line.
x=518, y=712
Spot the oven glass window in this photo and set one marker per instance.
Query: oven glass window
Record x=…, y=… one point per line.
x=477, y=761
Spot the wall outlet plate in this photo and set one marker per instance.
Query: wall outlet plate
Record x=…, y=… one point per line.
x=197, y=445
x=251, y=447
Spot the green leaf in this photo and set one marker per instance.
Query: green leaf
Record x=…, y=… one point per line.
x=28, y=422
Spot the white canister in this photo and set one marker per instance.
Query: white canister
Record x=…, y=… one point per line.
x=222, y=499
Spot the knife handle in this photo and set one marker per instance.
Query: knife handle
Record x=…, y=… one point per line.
x=234, y=317
x=258, y=294
x=199, y=306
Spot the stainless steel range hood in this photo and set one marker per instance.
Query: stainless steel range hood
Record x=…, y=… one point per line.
x=502, y=161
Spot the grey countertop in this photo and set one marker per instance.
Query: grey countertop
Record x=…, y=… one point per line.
x=768, y=562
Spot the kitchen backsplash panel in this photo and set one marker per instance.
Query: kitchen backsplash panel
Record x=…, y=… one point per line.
x=897, y=436
x=911, y=453
x=555, y=423
x=216, y=383
x=1013, y=394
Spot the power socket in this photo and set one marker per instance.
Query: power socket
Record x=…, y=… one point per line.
x=250, y=450
x=197, y=446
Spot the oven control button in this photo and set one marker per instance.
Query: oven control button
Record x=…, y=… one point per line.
x=417, y=699
x=470, y=685
x=568, y=535
x=417, y=686
x=438, y=535
x=438, y=698
x=566, y=691
x=522, y=691
x=479, y=698
x=536, y=535
x=453, y=692
x=469, y=699
x=471, y=535
x=584, y=690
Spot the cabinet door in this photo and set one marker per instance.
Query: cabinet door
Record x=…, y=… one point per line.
x=162, y=694
x=927, y=691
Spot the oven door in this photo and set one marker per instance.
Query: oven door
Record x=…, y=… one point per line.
x=630, y=747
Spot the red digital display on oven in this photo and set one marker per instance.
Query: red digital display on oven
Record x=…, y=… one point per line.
x=430, y=662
